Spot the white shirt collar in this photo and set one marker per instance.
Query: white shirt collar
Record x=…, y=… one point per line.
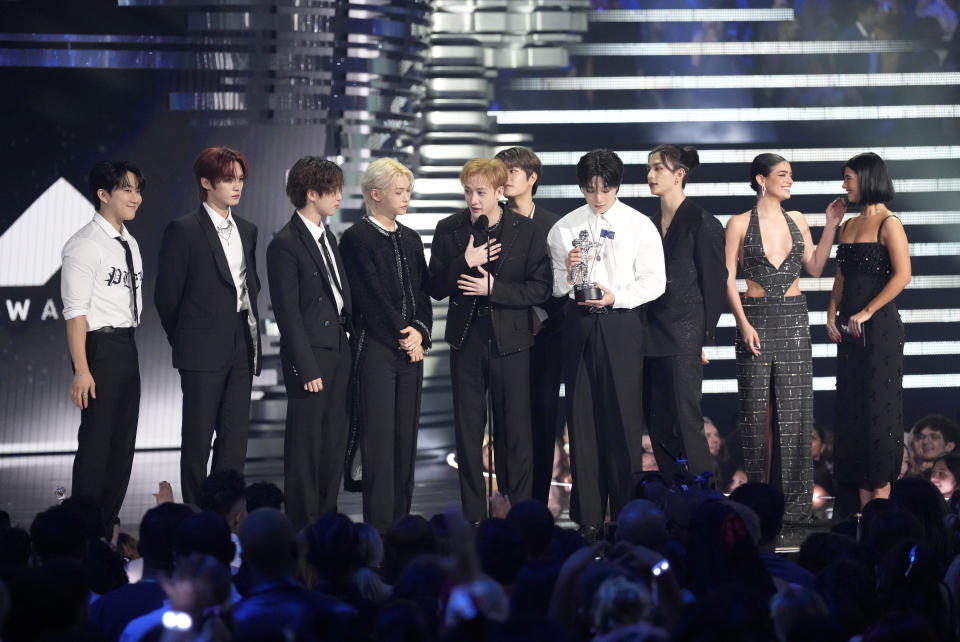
x=382, y=226
x=110, y=230
x=217, y=218
x=316, y=231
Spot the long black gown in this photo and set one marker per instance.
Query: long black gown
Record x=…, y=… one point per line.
x=869, y=430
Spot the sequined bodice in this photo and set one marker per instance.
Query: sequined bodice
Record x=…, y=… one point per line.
x=866, y=269
x=758, y=268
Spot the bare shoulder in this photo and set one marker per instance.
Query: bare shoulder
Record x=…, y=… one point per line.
x=738, y=221
x=798, y=218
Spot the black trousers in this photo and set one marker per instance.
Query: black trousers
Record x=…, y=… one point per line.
x=389, y=414
x=315, y=442
x=546, y=375
x=672, y=389
x=477, y=370
x=605, y=410
x=108, y=425
x=216, y=403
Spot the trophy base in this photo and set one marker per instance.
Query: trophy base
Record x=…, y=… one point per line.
x=587, y=293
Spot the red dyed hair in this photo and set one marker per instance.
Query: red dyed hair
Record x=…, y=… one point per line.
x=216, y=165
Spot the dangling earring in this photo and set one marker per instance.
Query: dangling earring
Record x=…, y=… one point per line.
x=763, y=191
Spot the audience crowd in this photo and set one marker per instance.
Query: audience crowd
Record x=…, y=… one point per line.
x=681, y=562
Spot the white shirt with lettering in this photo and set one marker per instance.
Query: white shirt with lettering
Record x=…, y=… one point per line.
x=95, y=281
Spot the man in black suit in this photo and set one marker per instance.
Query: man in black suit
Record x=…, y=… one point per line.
x=311, y=302
x=206, y=295
x=524, y=170
x=681, y=321
x=493, y=265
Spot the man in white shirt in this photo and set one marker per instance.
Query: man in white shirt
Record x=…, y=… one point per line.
x=101, y=285
x=603, y=338
x=206, y=296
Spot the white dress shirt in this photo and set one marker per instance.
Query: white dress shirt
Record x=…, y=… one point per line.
x=95, y=281
x=630, y=264
x=233, y=248
x=320, y=234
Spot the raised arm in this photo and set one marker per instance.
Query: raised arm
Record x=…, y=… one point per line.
x=815, y=258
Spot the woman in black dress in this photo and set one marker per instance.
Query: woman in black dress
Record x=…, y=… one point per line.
x=387, y=273
x=873, y=267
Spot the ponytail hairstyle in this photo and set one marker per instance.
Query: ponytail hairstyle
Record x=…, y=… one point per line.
x=676, y=157
x=763, y=165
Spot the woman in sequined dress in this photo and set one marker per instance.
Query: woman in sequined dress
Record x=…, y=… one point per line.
x=774, y=362
x=873, y=267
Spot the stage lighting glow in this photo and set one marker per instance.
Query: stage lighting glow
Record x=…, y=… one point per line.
x=827, y=350
x=779, y=81
x=794, y=155
x=691, y=15
x=741, y=188
x=768, y=48
x=736, y=114
x=819, y=317
x=830, y=383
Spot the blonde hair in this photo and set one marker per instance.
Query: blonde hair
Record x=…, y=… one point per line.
x=492, y=169
x=381, y=174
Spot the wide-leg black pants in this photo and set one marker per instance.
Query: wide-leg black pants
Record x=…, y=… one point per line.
x=389, y=415
x=477, y=371
x=315, y=442
x=216, y=403
x=603, y=373
x=778, y=383
x=547, y=413
x=108, y=425
x=672, y=390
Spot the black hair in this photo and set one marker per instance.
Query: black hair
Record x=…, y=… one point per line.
x=88, y=509
x=221, y=491
x=157, y=529
x=763, y=165
x=501, y=550
x=111, y=175
x=313, y=173
x=57, y=532
x=944, y=425
x=602, y=163
x=14, y=548
x=872, y=178
x=922, y=499
x=535, y=522
x=525, y=159
x=767, y=502
x=332, y=547
x=205, y=533
x=264, y=495
x=675, y=157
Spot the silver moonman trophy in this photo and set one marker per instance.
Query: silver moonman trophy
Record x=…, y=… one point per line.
x=583, y=288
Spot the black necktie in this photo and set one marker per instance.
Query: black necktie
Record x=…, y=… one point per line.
x=133, y=279
x=330, y=269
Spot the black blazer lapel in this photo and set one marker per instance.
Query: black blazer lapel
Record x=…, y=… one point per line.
x=213, y=240
x=681, y=221
x=509, y=237
x=313, y=249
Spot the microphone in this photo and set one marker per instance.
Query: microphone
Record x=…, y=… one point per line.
x=481, y=231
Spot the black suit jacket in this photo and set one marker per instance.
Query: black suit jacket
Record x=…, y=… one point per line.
x=195, y=294
x=555, y=306
x=683, y=319
x=522, y=273
x=302, y=297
